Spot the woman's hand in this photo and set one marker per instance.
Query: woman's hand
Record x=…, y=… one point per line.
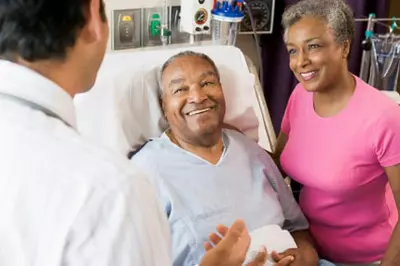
x=300, y=258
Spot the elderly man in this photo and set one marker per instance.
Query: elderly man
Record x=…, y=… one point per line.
x=207, y=175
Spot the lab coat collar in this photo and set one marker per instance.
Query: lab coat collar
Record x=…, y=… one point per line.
x=22, y=82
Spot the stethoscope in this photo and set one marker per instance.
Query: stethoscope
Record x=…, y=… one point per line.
x=33, y=106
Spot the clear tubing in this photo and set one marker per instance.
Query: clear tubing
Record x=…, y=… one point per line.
x=164, y=24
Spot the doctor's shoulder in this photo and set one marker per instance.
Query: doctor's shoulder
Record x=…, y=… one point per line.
x=114, y=204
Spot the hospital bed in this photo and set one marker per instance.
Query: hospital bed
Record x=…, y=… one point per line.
x=122, y=110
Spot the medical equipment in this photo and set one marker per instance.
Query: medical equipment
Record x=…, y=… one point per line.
x=152, y=27
x=151, y=22
x=122, y=110
x=164, y=31
x=143, y=23
x=366, y=46
x=380, y=65
x=196, y=17
x=226, y=17
x=32, y=105
x=385, y=62
x=263, y=13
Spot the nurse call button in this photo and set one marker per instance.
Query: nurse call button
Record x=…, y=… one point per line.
x=126, y=18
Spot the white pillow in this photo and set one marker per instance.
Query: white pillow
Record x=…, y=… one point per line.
x=122, y=110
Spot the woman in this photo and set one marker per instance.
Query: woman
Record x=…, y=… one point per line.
x=340, y=138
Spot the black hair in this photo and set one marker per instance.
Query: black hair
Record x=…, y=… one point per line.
x=41, y=29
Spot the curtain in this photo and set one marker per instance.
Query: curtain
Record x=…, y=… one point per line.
x=279, y=81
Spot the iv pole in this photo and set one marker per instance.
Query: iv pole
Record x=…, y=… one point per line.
x=366, y=45
x=377, y=19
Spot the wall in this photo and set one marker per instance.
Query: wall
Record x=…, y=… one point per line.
x=247, y=45
x=394, y=8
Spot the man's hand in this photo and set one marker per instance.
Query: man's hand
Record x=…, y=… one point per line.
x=300, y=258
x=231, y=249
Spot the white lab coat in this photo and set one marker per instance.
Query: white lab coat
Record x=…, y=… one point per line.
x=64, y=201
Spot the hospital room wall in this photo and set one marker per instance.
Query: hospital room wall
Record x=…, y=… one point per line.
x=247, y=45
x=394, y=8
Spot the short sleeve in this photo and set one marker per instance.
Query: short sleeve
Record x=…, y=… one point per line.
x=387, y=138
x=285, y=125
x=294, y=217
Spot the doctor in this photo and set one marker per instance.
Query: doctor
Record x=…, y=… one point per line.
x=62, y=200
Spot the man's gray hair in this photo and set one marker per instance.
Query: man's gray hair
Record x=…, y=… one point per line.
x=184, y=54
x=336, y=13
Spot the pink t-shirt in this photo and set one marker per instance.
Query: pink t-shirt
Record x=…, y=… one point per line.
x=340, y=161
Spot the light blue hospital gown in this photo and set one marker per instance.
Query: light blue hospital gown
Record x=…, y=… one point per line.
x=197, y=195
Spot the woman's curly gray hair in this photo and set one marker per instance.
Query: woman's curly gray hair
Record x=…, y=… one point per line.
x=336, y=13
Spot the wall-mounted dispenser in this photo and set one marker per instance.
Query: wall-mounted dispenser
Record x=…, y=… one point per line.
x=152, y=20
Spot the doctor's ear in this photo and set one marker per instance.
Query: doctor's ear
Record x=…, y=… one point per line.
x=96, y=22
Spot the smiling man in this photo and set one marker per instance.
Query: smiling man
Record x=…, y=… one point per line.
x=208, y=175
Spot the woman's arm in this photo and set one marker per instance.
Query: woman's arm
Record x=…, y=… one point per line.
x=280, y=145
x=295, y=221
x=386, y=137
x=304, y=255
x=392, y=256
